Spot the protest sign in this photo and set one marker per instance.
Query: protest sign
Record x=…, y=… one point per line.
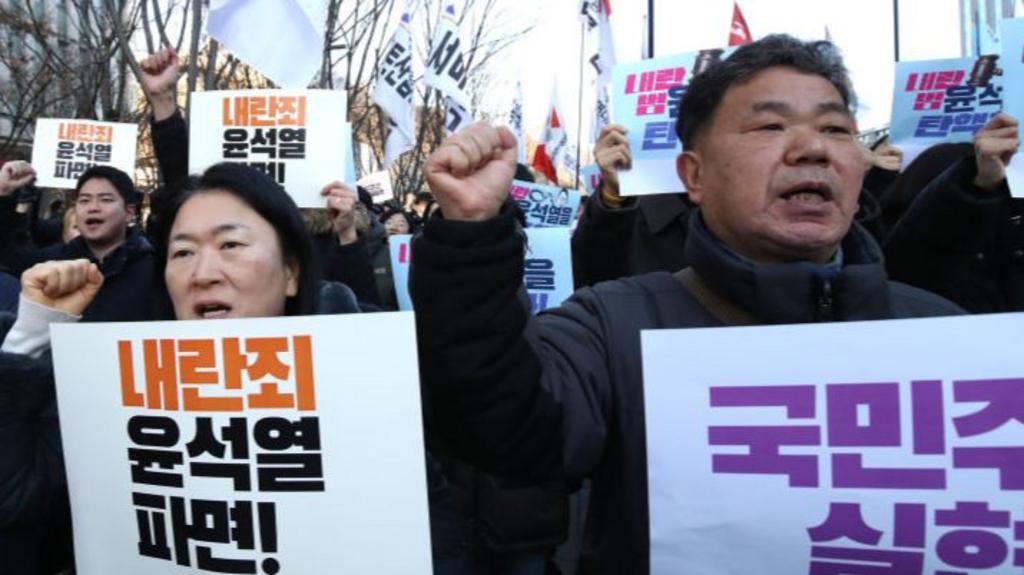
x=547, y=271
x=297, y=137
x=64, y=149
x=1013, y=97
x=545, y=206
x=813, y=449
x=590, y=175
x=244, y=446
x=645, y=100
x=943, y=101
x=378, y=185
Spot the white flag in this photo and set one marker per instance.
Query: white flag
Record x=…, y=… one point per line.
x=515, y=122
x=394, y=92
x=456, y=116
x=556, y=138
x=603, y=61
x=446, y=67
x=296, y=27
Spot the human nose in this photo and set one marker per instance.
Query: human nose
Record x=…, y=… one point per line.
x=206, y=270
x=806, y=146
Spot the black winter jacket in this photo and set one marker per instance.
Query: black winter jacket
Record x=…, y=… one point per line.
x=645, y=235
x=560, y=395
x=127, y=271
x=962, y=243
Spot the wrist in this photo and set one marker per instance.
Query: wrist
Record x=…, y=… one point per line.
x=164, y=105
x=610, y=195
x=347, y=236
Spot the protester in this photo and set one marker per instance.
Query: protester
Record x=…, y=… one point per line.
x=9, y=290
x=102, y=209
x=963, y=236
x=771, y=162
x=618, y=236
x=398, y=221
x=928, y=165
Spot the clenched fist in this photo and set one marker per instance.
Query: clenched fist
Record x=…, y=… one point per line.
x=994, y=146
x=66, y=285
x=471, y=172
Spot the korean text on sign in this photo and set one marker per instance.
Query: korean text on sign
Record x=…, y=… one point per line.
x=229, y=380
x=903, y=461
x=81, y=146
x=264, y=130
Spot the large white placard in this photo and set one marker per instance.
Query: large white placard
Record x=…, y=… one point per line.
x=63, y=149
x=298, y=137
x=268, y=445
x=889, y=447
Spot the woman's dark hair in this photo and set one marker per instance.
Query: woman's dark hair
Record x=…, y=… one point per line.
x=271, y=202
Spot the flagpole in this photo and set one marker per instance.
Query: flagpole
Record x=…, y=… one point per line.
x=896, y=28
x=650, y=28
x=579, y=105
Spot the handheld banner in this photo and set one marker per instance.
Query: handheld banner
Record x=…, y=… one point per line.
x=547, y=271
x=1013, y=98
x=645, y=99
x=244, y=446
x=63, y=149
x=813, y=449
x=378, y=185
x=297, y=136
x=545, y=206
x=943, y=101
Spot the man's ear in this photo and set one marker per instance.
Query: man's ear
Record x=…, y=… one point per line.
x=690, y=169
x=130, y=208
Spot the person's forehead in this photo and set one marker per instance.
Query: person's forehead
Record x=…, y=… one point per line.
x=95, y=186
x=785, y=85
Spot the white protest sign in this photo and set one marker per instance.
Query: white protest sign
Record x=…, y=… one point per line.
x=295, y=136
x=63, y=149
x=547, y=271
x=378, y=185
x=940, y=101
x=866, y=447
x=645, y=99
x=245, y=446
x=1013, y=95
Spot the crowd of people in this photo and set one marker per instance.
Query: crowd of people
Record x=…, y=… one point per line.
x=787, y=219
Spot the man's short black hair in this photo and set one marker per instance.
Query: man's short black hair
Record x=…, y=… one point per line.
x=706, y=90
x=121, y=181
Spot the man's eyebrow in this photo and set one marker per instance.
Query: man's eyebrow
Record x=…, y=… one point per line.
x=783, y=108
x=216, y=231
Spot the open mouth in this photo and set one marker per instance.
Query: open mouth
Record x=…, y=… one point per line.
x=212, y=310
x=808, y=194
x=93, y=222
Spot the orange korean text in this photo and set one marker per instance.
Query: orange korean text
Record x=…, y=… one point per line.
x=80, y=132
x=228, y=374
x=264, y=111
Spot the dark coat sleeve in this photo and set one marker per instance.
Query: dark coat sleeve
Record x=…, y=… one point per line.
x=170, y=143
x=31, y=460
x=937, y=242
x=516, y=395
x=351, y=265
x=600, y=242
x=16, y=253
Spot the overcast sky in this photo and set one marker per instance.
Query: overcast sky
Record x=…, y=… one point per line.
x=929, y=29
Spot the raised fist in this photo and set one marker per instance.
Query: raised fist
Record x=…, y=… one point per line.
x=471, y=172
x=65, y=285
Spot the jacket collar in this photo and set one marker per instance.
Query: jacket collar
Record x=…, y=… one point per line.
x=135, y=246
x=797, y=292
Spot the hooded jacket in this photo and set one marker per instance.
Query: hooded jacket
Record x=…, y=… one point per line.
x=560, y=395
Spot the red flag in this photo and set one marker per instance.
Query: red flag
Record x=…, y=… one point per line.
x=542, y=163
x=739, y=33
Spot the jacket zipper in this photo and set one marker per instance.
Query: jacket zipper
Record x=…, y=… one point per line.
x=825, y=311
